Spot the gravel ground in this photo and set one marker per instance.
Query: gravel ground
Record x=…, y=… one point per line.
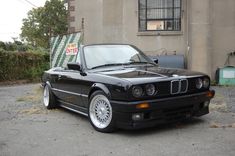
x=225, y=96
x=27, y=128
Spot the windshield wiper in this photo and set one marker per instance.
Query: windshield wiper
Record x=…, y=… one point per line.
x=118, y=64
x=130, y=63
x=106, y=65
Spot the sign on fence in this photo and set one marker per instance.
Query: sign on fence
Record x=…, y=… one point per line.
x=72, y=49
x=64, y=49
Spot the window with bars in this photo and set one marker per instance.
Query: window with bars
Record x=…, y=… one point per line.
x=160, y=15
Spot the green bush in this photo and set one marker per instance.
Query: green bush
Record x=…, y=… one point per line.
x=22, y=65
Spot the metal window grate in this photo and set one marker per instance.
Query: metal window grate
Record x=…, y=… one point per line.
x=160, y=15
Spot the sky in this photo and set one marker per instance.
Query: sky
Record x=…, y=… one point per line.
x=11, y=14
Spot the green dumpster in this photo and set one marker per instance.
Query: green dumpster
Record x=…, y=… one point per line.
x=225, y=76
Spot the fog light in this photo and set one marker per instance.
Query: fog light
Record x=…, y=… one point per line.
x=206, y=103
x=138, y=116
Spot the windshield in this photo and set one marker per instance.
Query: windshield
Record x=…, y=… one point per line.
x=105, y=55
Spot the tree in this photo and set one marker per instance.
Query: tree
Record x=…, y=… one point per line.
x=2, y=45
x=44, y=22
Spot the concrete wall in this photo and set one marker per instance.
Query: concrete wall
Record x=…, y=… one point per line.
x=112, y=21
x=108, y=21
x=152, y=43
x=207, y=35
x=211, y=34
x=91, y=11
x=223, y=32
x=200, y=35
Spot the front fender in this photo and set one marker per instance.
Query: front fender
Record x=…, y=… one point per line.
x=100, y=86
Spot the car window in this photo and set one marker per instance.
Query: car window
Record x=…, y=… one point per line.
x=78, y=60
x=98, y=55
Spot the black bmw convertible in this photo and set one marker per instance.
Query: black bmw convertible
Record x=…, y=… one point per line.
x=118, y=86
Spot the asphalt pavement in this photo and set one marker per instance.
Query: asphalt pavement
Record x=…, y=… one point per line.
x=28, y=129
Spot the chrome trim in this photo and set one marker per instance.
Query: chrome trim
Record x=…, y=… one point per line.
x=74, y=110
x=179, y=88
x=68, y=92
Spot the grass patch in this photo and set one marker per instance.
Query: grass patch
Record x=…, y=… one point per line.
x=34, y=110
x=219, y=107
x=219, y=125
x=215, y=125
x=35, y=96
x=218, y=103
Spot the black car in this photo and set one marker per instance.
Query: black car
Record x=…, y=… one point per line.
x=117, y=86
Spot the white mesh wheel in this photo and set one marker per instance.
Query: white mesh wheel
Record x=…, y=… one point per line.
x=49, y=100
x=46, y=96
x=100, y=111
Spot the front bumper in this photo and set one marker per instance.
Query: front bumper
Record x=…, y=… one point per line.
x=161, y=111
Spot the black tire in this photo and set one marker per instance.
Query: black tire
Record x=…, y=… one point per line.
x=49, y=100
x=100, y=112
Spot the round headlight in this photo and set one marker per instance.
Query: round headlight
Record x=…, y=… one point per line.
x=150, y=89
x=199, y=83
x=206, y=82
x=137, y=91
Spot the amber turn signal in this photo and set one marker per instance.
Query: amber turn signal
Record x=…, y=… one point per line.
x=142, y=106
x=210, y=94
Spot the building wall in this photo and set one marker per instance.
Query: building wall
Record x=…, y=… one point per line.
x=207, y=32
x=112, y=21
x=152, y=43
x=211, y=34
x=200, y=35
x=223, y=32
x=88, y=14
x=119, y=19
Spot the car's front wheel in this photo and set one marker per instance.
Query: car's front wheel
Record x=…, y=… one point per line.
x=101, y=113
x=49, y=99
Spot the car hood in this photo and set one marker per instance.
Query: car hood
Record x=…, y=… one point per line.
x=148, y=73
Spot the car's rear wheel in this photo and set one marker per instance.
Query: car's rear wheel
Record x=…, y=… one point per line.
x=101, y=113
x=49, y=99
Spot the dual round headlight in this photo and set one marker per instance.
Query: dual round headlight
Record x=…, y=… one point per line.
x=206, y=82
x=138, y=91
x=150, y=89
x=199, y=83
x=202, y=83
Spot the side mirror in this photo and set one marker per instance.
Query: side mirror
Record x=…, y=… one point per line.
x=155, y=60
x=74, y=66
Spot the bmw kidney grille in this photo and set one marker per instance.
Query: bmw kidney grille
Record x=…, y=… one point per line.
x=179, y=86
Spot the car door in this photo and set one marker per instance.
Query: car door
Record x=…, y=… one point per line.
x=69, y=84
